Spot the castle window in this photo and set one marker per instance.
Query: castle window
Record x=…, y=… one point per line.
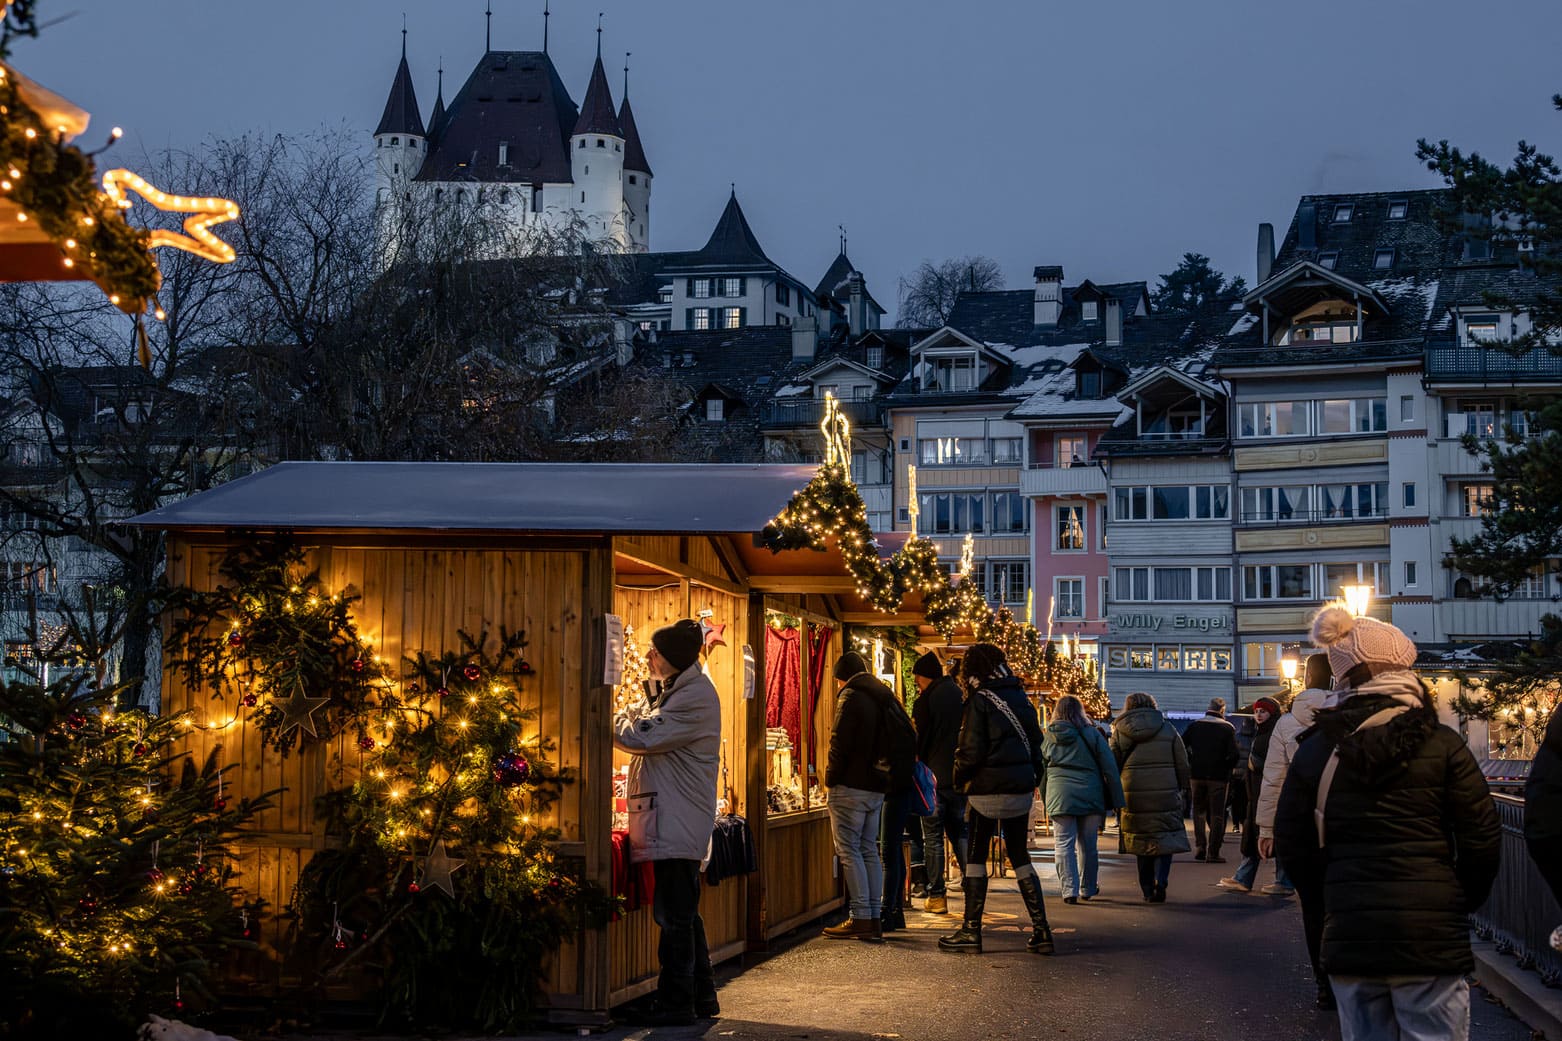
x=1088, y=310
x=395, y=168
x=504, y=196
x=601, y=143
x=536, y=199
x=583, y=198
x=395, y=141
x=504, y=153
x=631, y=178
x=583, y=142
x=616, y=148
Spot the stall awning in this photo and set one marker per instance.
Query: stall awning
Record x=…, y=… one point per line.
x=687, y=498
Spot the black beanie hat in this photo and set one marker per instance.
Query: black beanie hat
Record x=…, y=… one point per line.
x=928, y=666
x=983, y=661
x=851, y=664
x=679, y=644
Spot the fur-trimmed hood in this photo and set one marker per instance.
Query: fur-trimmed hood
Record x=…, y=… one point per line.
x=1380, y=751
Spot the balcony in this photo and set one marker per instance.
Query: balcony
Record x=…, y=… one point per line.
x=1475, y=363
x=1044, y=479
x=1273, y=519
x=800, y=412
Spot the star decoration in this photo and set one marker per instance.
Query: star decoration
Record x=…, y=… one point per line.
x=438, y=868
x=713, y=633
x=204, y=212
x=298, y=711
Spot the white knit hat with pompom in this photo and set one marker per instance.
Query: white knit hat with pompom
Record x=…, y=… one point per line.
x=1351, y=641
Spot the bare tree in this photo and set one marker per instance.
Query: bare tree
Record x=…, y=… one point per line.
x=928, y=297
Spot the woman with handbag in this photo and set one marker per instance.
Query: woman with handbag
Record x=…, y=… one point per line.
x=1079, y=786
x=997, y=765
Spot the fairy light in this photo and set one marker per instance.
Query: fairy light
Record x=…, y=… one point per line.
x=204, y=213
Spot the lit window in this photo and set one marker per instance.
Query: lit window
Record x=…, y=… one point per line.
x=1070, y=528
x=731, y=287
x=732, y=317
x=1072, y=451
x=1397, y=209
x=958, y=373
x=1342, y=213
x=665, y=295
x=715, y=409
x=699, y=287
x=1070, y=594
x=1089, y=310
x=874, y=358
x=1476, y=499
x=1382, y=259
x=701, y=317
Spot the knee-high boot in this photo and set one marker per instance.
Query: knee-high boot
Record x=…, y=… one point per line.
x=969, y=935
x=1041, y=936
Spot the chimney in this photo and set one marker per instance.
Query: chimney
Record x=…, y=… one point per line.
x=1266, y=252
x=805, y=338
x=1049, y=295
x=1114, y=321
x=856, y=303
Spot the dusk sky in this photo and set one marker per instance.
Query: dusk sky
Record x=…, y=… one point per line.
x=1109, y=138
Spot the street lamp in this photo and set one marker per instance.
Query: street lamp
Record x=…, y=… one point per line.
x=1289, y=663
x=1358, y=599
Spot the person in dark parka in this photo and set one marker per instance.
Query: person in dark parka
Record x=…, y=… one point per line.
x=1543, y=812
x=1154, y=766
x=937, y=713
x=1407, y=843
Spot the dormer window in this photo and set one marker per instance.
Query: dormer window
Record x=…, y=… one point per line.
x=1089, y=311
x=954, y=373
x=1382, y=260
x=664, y=295
x=1087, y=384
x=874, y=357
x=1482, y=328
x=715, y=410
x=1329, y=259
x=1343, y=213
x=1398, y=208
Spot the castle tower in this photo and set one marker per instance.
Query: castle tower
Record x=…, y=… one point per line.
x=597, y=161
x=637, y=177
x=400, y=143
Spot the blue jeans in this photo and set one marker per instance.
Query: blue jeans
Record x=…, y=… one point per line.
x=854, y=824
x=1403, y=1008
x=950, y=820
x=897, y=810
x=1247, y=873
x=1074, y=852
x=1154, y=871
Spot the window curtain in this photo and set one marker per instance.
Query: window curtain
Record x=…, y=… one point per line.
x=820, y=672
x=784, y=683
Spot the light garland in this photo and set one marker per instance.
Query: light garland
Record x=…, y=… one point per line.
x=204, y=212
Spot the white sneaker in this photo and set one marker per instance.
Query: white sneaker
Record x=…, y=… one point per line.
x=1233, y=885
x=1276, y=889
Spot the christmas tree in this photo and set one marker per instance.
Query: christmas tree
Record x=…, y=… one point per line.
x=116, y=887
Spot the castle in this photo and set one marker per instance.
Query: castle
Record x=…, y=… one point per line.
x=513, y=138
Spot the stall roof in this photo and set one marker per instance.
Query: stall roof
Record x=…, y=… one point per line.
x=689, y=498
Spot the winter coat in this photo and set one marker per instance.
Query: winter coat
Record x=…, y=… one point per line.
x=675, y=752
x=1211, y=743
x=937, y=714
x=1412, y=838
x=855, y=743
x=1079, y=775
x=1253, y=778
x=1154, y=766
x=1543, y=791
x=1282, y=747
x=991, y=758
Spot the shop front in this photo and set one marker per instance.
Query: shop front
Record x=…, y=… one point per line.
x=1183, y=656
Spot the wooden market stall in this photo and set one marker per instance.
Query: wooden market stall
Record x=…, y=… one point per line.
x=437, y=549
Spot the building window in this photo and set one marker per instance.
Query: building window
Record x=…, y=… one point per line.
x=1410, y=572
x=395, y=141
x=1101, y=533
x=783, y=293
x=1273, y=419
x=1475, y=500
x=1397, y=208
x=1089, y=310
x=715, y=409
x=1008, y=581
x=1407, y=408
x=1007, y=451
x=1088, y=385
x=1329, y=259
x=952, y=373
x=951, y=513
x=861, y=393
x=1260, y=660
x=601, y=143
x=1141, y=657
x=1172, y=502
x=1172, y=585
x=1337, y=576
x=1342, y=213
x=732, y=317
x=699, y=288
x=583, y=142
x=874, y=357
x=1168, y=659
x=731, y=286
x=664, y=295
x=1352, y=416
x=536, y=200
x=1410, y=494
x=1481, y=328
x=1009, y=513
x=1285, y=503
x=583, y=198
x=1070, y=594
x=504, y=153
x=1382, y=259
x=952, y=451
x=1352, y=501
x=1072, y=451
x=701, y=317
x=1277, y=582
x=1070, y=528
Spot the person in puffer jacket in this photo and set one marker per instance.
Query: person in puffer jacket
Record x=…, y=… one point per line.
x=675, y=753
x=997, y=765
x=1079, y=786
x=1405, y=836
x=1155, y=773
x=1282, y=749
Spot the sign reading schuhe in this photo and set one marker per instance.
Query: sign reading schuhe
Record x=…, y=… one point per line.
x=1169, y=622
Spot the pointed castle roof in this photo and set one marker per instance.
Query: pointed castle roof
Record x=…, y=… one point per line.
x=596, y=112
x=401, y=108
x=634, y=151
x=438, y=115
x=515, y=97
x=732, y=244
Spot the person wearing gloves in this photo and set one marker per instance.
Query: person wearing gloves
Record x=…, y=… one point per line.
x=937, y=713
x=1079, y=786
x=1282, y=749
x=675, y=754
x=1389, y=805
x=997, y=766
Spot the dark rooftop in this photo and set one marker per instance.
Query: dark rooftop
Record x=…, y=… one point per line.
x=596, y=112
x=401, y=108
x=634, y=152
x=512, y=96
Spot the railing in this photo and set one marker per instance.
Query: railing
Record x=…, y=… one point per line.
x=1261, y=519
x=1473, y=361
x=809, y=412
x=1521, y=912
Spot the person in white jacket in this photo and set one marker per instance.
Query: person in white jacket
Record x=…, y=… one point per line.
x=675, y=756
x=1282, y=748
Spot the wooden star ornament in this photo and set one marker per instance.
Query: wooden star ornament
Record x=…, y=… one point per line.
x=438, y=868
x=298, y=711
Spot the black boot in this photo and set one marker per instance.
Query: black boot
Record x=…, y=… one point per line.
x=1040, y=941
x=969, y=935
x=892, y=920
x=919, y=880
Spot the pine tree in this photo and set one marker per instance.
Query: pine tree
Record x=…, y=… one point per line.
x=1195, y=287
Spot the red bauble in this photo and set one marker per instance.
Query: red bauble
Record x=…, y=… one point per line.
x=186, y=888
x=154, y=876
x=140, y=750
x=413, y=887
x=366, y=743
x=76, y=720
x=510, y=769
x=443, y=692
x=221, y=804
x=88, y=905
x=341, y=945
x=250, y=700
x=357, y=665
x=235, y=639
x=472, y=672
x=524, y=668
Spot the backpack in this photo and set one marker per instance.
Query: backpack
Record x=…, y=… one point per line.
x=897, y=747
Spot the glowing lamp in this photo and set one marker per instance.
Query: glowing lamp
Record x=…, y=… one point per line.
x=1358, y=599
x=1288, y=666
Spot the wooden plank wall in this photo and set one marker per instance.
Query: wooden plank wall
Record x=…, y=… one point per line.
x=413, y=598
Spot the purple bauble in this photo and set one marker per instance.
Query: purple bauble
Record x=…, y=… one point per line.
x=511, y=769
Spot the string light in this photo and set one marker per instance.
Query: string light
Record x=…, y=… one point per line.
x=204, y=213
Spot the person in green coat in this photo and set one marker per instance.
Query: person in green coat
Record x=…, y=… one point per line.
x=1079, y=786
x=1155, y=772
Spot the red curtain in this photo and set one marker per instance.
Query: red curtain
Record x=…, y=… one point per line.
x=784, y=684
x=820, y=671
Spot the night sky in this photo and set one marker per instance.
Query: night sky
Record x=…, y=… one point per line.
x=1109, y=138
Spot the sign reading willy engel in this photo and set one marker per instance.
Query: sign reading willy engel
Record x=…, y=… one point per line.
x=1169, y=622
